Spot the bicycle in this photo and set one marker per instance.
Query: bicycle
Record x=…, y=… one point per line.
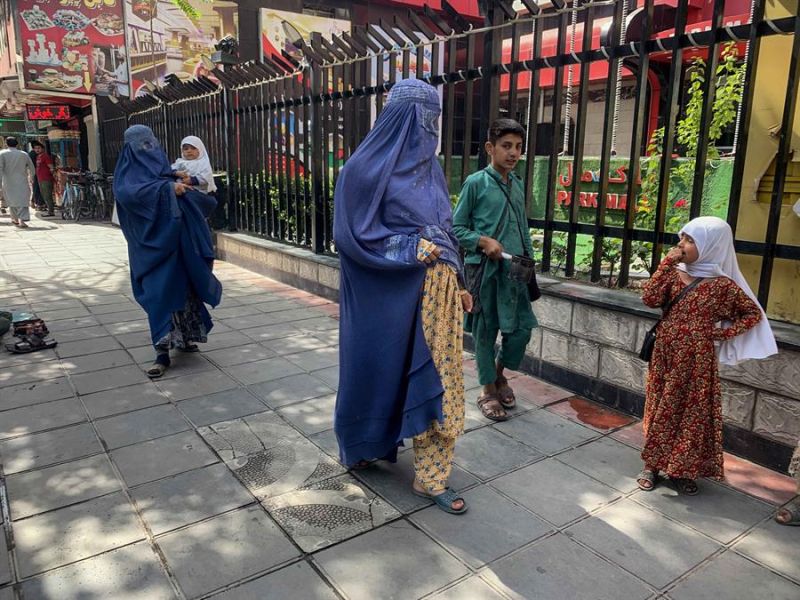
x=97, y=204
x=72, y=198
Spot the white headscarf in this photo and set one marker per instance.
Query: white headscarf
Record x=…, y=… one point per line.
x=717, y=258
x=200, y=167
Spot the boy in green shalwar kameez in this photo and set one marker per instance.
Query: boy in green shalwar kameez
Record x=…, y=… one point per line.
x=490, y=220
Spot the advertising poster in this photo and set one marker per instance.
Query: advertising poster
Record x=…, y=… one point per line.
x=73, y=45
x=273, y=37
x=164, y=39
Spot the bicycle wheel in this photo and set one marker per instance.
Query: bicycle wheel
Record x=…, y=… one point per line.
x=100, y=209
x=79, y=207
x=67, y=202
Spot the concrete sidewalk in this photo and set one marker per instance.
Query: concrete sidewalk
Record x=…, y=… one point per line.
x=221, y=480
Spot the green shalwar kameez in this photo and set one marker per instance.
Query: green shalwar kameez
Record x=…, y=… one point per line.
x=506, y=307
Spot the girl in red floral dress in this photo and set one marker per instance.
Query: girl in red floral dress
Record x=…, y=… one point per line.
x=719, y=319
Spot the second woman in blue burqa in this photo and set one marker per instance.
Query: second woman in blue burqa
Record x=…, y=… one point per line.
x=401, y=298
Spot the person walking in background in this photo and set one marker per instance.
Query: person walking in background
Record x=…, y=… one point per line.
x=698, y=284
x=16, y=173
x=169, y=247
x=490, y=220
x=36, y=198
x=45, y=176
x=402, y=298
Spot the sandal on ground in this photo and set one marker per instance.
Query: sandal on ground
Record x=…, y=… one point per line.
x=688, y=487
x=31, y=343
x=156, y=370
x=445, y=500
x=646, y=480
x=506, y=394
x=361, y=465
x=792, y=512
x=492, y=407
x=189, y=348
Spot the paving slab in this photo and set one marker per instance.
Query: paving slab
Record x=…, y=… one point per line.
x=311, y=416
x=228, y=357
x=717, y=511
x=36, y=392
x=295, y=581
x=108, y=379
x=38, y=491
x=491, y=528
x=473, y=588
x=270, y=332
x=556, y=568
x=776, y=546
x=5, y=566
x=162, y=457
x=732, y=577
x=324, y=513
x=31, y=371
x=70, y=534
x=225, y=549
x=314, y=360
x=591, y=414
x=222, y=406
x=289, y=390
x=378, y=564
x=191, y=386
x=40, y=417
x=189, y=497
x=329, y=376
x=555, y=491
x=612, y=462
x=644, y=542
x=129, y=573
x=546, y=431
x=327, y=441
x=123, y=399
x=86, y=347
x=96, y=362
x=44, y=449
x=263, y=370
x=487, y=453
x=141, y=425
x=393, y=481
x=295, y=344
x=228, y=339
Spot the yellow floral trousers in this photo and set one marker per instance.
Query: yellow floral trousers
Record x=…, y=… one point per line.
x=442, y=322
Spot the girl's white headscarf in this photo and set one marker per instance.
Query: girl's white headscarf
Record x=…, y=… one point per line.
x=717, y=258
x=200, y=167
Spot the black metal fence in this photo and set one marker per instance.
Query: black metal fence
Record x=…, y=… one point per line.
x=282, y=130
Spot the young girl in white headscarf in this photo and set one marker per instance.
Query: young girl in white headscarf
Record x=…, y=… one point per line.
x=718, y=319
x=193, y=167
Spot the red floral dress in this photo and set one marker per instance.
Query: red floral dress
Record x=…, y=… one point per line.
x=683, y=407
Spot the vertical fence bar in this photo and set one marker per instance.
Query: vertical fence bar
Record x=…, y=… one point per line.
x=709, y=93
x=516, y=34
x=318, y=228
x=450, y=108
x=552, y=169
x=580, y=136
x=534, y=97
x=634, y=164
x=781, y=165
x=674, y=86
x=753, y=51
x=605, y=152
x=468, y=101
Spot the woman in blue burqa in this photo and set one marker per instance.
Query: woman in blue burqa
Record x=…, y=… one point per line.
x=401, y=298
x=169, y=247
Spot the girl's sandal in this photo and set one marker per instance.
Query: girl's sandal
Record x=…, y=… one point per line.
x=646, y=480
x=790, y=514
x=189, y=348
x=445, y=500
x=492, y=407
x=505, y=393
x=156, y=370
x=687, y=487
x=361, y=465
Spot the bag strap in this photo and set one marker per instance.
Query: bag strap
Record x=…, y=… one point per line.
x=666, y=308
x=509, y=204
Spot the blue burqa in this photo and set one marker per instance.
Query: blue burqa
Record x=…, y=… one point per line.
x=169, y=242
x=390, y=193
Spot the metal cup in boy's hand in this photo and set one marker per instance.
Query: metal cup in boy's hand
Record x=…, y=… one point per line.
x=491, y=248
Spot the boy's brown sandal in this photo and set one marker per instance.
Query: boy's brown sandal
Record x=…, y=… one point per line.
x=492, y=407
x=505, y=393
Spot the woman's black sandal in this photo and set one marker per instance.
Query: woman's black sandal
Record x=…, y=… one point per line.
x=687, y=487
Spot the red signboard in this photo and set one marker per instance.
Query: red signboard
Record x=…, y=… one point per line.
x=72, y=45
x=48, y=112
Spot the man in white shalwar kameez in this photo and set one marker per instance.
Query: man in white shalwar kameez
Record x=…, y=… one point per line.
x=16, y=173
